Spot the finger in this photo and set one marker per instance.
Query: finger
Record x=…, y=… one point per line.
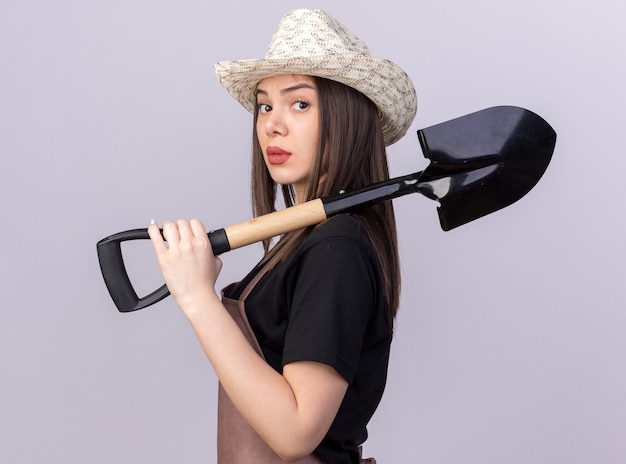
x=184, y=229
x=170, y=232
x=155, y=237
x=199, y=232
x=197, y=228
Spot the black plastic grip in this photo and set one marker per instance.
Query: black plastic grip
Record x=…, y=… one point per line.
x=219, y=241
x=115, y=275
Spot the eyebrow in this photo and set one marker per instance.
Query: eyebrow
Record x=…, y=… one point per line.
x=287, y=89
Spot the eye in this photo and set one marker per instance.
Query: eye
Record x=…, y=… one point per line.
x=264, y=108
x=300, y=105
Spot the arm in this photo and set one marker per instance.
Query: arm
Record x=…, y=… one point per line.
x=291, y=412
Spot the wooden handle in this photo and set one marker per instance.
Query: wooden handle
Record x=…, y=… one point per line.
x=276, y=223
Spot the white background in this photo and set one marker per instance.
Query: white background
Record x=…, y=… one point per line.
x=510, y=344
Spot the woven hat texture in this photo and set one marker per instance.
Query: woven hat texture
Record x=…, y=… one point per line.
x=311, y=42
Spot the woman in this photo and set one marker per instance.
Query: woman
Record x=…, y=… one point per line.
x=301, y=344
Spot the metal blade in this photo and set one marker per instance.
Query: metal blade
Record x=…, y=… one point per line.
x=484, y=161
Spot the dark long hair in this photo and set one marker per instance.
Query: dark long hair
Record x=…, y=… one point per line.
x=353, y=155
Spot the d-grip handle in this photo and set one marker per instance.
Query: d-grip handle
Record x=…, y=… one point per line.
x=115, y=275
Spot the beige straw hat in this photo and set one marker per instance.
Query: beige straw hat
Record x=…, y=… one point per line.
x=313, y=43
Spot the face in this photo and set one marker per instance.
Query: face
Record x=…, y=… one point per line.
x=288, y=129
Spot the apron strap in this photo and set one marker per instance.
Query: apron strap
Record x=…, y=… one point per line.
x=269, y=265
x=255, y=280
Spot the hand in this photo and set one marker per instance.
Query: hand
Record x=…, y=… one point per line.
x=187, y=262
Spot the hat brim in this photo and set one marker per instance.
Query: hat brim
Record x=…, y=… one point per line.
x=381, y=80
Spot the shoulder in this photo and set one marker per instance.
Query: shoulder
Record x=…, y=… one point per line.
x=342, y=243
x=342, y=227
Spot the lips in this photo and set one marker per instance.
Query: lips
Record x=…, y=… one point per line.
x=276, y=155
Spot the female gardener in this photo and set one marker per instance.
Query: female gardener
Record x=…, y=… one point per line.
x=301, y=345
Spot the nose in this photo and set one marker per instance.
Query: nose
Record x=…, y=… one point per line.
x=275, y=123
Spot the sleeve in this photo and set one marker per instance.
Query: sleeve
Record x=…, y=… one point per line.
x=333, y=299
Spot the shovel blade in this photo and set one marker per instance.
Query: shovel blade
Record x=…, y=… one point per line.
x=484, y=161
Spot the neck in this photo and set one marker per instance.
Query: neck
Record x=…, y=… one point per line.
x=299, y=193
